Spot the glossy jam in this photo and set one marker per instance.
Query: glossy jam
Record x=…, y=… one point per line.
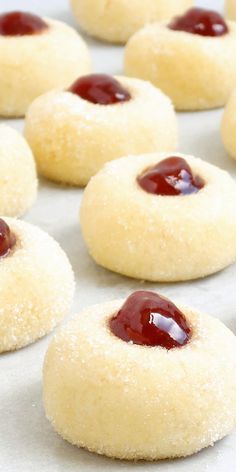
x=200, y=21
x=172, y=176
x=19, y=23
x=149, y=319
x=7, y=238
x=100, y=89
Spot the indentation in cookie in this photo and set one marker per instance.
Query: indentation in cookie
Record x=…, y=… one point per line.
x=200, y=21
x=100, y=89
x=149, y=319
x=19, y=23
x=7, y=239
x=172, y=176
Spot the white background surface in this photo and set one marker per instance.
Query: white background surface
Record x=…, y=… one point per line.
x=27, y=442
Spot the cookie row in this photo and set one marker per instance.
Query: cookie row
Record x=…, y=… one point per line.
x=148, y=242
x=117, y=20
x=191, y=58
x=154, y=365
x=73, y=134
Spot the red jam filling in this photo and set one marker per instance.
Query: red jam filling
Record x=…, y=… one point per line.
x=200, y=21
x=149, y=319
x=19, y=23
x=172, y=176
x=100, y=89
x=7, y=238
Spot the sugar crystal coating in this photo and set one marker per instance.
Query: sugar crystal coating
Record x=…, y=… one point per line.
x=18, y=189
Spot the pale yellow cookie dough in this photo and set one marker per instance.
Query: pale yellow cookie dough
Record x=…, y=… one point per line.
x=196, y=72
x=137, y=402
x=159, y=238
x=117, y=20
x=18, y=179
x=228, y=126
x=36, y=289
x=32, y=65
x=72, y=138
x=230, y=9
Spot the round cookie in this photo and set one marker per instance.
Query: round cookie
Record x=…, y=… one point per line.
x=18, y=177
x=160, y=237
x=230, y=9
x=35, y=62
x=37, y=284
x=228, y=126
x=118, y=20
x=131, y=401
x=197, y=71
x=72, y=137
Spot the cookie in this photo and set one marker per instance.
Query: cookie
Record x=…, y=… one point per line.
x=100, y=118
x=160, y=217
x=191, y=59
x=142, y=378
x=37, y=284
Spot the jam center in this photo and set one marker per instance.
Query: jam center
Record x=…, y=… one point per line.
x=200, y=21
x=7, y=238
x=19, y=23
x=100, y=89
x=172, y=176
x=149, y=319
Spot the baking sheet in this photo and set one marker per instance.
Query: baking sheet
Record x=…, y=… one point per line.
x=27, y=441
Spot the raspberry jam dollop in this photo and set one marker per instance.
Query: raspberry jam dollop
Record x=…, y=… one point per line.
x=149, y=319
x=100, y=89
x=200, y=21
x=7, y=238
x=172, y=176
x=17, y=23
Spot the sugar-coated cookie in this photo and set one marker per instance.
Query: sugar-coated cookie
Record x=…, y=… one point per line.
x=18, y=188
x=117, y=20
x=228, y=126
x=230, y=9
x=192, y=58
x=36, y=55
x=37, y=284
x=100, y=118
x=160, y=218
x=142, y=379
